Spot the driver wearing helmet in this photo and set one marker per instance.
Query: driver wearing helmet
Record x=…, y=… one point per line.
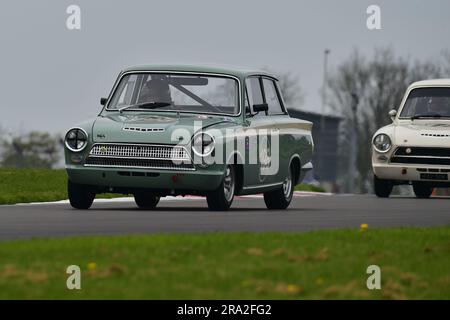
x=156, y=90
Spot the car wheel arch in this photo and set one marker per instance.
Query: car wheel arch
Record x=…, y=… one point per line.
x=296, y=161
x=237, y=161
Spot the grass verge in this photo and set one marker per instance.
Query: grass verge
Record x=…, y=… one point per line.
x=308, y=187
x=35, y=185
x=32, y=185
x=414, y=262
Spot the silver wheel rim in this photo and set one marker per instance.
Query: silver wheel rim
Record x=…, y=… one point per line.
x=228, y=184
x=287, y=186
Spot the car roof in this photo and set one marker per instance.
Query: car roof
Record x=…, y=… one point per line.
x=227, y=70
x=430, y=83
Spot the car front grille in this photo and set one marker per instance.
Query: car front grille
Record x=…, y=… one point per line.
x=422, y=155
x=140, y=156
x=139, y=151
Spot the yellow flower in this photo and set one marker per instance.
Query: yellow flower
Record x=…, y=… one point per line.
x=319, y=281
x=92, y=265
x=364, y=227
x=292, y=289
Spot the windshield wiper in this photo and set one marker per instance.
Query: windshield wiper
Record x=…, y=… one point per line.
x=147, y=105
x=427, y=115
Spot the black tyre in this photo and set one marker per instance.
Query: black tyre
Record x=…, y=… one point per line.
x=145, y=200
x=422, y=191
x=383, y=188
x=80, y=196
x=222, y=198
x=281, y=197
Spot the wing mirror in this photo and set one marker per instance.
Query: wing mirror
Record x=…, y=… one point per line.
x=103, y=101
x=260, y=107
x=392, y=114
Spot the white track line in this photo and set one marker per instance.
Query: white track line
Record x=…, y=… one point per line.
x=170, y=198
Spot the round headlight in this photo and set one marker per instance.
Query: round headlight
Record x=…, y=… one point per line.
x=203, y=144
x=382, y=142
x=76, y=139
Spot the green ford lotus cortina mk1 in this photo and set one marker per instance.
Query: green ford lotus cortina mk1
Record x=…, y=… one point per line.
x=188, y=130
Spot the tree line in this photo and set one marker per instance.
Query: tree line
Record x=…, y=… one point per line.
x=32, y=150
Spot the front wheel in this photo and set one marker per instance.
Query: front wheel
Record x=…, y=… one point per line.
x=145, y=200
x=80, y=196
x=221, y=198
x=383, y=188
x=281, y=197
x=422, y=191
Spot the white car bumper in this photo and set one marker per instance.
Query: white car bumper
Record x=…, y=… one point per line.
x=408, y=172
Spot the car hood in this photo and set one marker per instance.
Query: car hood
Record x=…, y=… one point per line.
x=133, y=127
x=423, y=133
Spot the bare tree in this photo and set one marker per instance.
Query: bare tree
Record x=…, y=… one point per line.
x=379, y=83
x=290, y=89
x=446, y=64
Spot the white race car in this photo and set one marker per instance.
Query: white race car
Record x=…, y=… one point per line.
x=415, y=148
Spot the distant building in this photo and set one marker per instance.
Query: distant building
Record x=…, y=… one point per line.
x=325, y=156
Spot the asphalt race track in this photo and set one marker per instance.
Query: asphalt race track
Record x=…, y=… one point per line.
x=307, y=212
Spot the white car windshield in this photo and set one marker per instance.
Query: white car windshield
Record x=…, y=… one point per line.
x=177, y=93
x=427, y=103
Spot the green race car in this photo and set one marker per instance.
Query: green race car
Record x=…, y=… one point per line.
x=189, y=130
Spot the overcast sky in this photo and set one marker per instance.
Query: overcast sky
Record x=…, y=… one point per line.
x=52, y=77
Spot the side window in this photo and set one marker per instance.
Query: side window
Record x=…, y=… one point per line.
x=272, y=97
x=254, y=90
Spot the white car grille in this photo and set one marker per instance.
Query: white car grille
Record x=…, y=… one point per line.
x=422, y=155
x=140, y=151
x=140, y=156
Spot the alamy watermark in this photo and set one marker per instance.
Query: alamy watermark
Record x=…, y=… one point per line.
x=230, y=146
x=73, y=21
x=374, y=280
x=73, y=281
x=373, y=21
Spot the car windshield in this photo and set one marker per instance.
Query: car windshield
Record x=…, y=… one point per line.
x=177, y=93
x=427, y=103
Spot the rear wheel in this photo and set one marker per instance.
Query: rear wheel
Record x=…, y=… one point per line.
x=80, y=196
x=383, y=188
x=422, y=191
x=281, y=197
x=221, y=198
x=145, y=199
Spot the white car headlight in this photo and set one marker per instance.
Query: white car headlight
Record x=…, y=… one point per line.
x=382, y=142
x=203, y=144
x=76, y=139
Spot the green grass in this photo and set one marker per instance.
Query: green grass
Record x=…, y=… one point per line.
x=39, y=185
x=34, y=185
x=414, y=262
x=308, y=187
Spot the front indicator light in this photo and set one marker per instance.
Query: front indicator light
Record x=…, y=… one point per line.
x=76, y=158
